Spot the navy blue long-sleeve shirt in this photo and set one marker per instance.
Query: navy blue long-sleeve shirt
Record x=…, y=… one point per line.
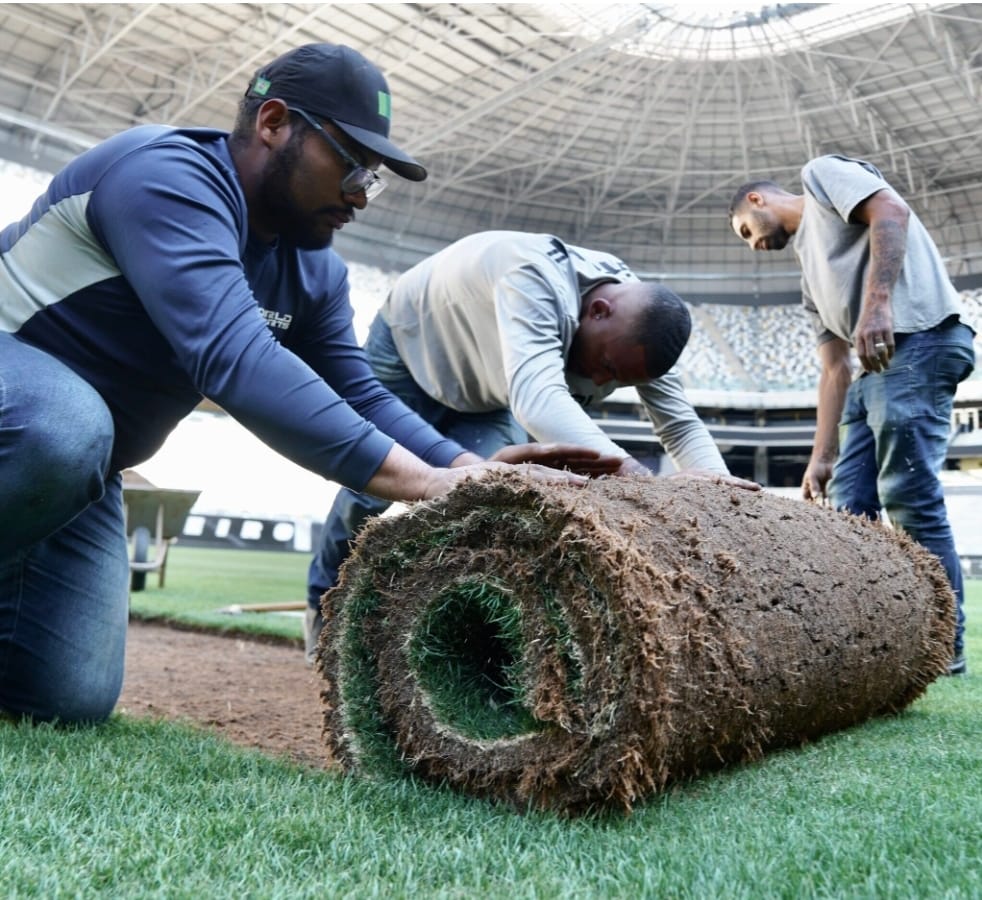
x=137, y=269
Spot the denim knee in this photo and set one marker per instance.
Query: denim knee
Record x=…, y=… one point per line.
x=56, y=440
x=87, y=698
x=71, y=440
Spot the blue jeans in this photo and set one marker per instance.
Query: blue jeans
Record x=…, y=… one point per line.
x=894, y=437
x=481, y=433
x=64, y=568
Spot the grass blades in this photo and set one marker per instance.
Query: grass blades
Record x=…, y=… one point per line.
x=467, y=655
x=200, y=582
x=143, y=809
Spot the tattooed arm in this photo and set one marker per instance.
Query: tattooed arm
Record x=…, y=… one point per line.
x=886, y=215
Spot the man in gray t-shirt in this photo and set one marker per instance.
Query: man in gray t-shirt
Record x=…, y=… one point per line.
x=874, y=283
x=506, y=334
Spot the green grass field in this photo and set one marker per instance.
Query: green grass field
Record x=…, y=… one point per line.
x=201, y=582
x=891, y=809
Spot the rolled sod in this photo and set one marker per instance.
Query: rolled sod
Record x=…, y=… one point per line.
x=578, y=649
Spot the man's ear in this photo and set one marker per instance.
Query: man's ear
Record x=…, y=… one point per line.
x=600, y=308
x=756, y=199
x=273, y=123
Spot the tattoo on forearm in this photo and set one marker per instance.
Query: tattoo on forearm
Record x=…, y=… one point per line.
x=888, y=243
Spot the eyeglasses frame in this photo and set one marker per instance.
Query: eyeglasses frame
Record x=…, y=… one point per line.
x=350, y=182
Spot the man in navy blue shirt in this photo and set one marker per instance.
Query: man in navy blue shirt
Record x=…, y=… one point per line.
x=160, y=267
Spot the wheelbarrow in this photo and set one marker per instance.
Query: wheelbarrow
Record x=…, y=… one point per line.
x=154, y=516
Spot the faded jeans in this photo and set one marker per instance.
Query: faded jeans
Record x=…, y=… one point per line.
x=893, y=440
x=481, y=433
x=64, y=569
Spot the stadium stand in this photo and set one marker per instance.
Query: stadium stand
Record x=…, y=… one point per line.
x=973, y=312
x=754, y=348
x=733, y=347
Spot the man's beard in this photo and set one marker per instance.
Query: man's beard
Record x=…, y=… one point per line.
x=778, y=238
x=293, y=225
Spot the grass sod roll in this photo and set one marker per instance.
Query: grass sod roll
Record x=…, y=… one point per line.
x=577, y=649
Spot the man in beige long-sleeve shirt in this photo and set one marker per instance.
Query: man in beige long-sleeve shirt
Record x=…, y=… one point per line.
x=507, y=334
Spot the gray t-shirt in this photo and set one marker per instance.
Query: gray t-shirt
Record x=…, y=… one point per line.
x=487, y=323
x=834, y=255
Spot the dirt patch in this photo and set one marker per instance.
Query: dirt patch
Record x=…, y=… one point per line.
x=254, y=694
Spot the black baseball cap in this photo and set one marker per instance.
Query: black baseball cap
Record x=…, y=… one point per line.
x=337, y=83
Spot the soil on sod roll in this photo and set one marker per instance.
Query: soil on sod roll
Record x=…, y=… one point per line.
x=579, y=648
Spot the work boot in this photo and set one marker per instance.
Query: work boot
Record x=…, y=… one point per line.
x=313, y=624
x=958, y=666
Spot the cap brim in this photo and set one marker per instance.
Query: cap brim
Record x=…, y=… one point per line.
x=399, y=162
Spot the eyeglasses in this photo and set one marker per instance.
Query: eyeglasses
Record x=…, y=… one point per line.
x=359, y=178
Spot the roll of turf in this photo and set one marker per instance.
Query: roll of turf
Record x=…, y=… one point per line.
x=576, y=649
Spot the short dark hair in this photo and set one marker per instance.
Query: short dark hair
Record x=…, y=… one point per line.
x=664, y=325
x=750, y=187
x=245, y=121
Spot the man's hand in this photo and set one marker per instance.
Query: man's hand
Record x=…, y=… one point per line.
x=873, y=338
x=404, y=477
x=630, y=466
x=443, y=480
x=717, y=478
x=559, y=456
x=816, y=479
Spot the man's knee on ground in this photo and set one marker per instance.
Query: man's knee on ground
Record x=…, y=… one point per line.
x=87, y=698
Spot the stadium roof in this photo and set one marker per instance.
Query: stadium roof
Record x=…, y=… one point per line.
x=625, y=130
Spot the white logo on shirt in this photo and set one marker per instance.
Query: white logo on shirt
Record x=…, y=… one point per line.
x=275, y=319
